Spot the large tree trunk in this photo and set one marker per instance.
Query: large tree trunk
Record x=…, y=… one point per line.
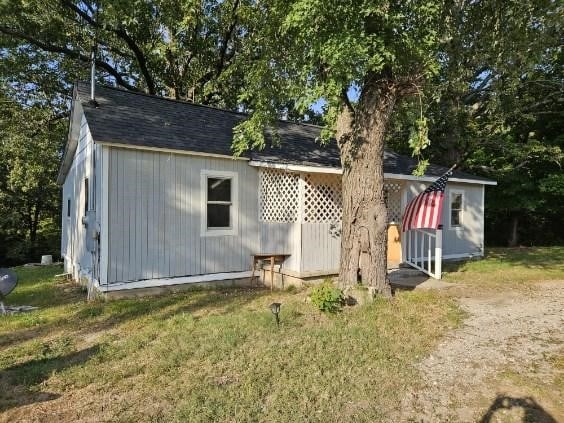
x=360, y=134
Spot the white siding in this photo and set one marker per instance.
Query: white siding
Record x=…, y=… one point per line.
x=321, y=247
x=155, y=212
x=282, y=238
x=73, y=237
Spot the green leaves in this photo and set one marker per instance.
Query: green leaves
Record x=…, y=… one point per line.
x=317, y=49
x=419, y=141
x=327, y=298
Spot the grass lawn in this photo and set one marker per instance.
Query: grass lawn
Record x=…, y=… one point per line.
x=218, y=355
x=508, y=268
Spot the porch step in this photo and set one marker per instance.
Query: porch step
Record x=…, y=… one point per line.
x=405, y=273
x=410, y=278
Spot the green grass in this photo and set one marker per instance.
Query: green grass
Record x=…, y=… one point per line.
x=508, y=268
x=210, y=355
x=217, y=355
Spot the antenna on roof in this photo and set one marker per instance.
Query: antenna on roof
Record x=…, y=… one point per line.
x=93, y=74
x=93, y=63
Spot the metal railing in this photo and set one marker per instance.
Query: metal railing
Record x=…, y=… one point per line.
x=424, y=250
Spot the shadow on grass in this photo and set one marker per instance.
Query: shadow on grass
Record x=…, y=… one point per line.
x=18, y=381
x=221, y=301
x=532, y=411
x=104, y=315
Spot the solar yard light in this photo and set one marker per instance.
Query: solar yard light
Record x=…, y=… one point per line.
x=275, y=308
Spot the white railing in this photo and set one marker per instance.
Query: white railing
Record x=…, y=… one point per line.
x=424, y=250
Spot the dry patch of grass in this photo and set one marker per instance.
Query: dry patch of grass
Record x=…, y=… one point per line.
x=210, y=355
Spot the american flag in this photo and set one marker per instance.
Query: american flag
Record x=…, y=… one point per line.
x=424, y=211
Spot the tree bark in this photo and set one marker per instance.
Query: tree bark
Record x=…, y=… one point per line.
x=360, y=134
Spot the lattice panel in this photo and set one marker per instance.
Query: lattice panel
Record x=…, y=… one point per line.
x=322, y=198
x=278, y=196
x=392, y=196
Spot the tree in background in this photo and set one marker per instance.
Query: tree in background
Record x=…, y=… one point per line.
x=31, y=139
x=184, y=50
x=495, y=108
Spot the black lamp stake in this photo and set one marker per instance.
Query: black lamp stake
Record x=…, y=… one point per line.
x=275, y=308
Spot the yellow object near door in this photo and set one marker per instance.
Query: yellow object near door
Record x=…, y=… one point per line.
x=394, y=245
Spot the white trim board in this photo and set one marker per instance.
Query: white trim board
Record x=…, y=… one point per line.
x=335, y=170
x=451, y=256
x=296, y=168
x=462, y=255
x=169, y=150
x=154, y=283
x=234, y=210
x=104, y=252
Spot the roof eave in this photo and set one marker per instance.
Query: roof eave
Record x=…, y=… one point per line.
x=118, y=144
x=337, y=170
x=72, y=141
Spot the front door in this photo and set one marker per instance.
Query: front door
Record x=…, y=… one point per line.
x=394, y=245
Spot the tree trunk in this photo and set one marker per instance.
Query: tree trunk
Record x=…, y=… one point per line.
x=514, y=235
x=360, y=135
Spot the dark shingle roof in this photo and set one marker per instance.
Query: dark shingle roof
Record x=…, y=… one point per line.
x=123, y=117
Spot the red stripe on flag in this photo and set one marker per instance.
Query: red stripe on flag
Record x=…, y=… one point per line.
x=406, y=214
x=414, y=211
x=421, y=210
x=430, y=212
x=439, y=213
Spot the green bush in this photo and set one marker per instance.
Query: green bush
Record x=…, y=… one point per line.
x=326, y=297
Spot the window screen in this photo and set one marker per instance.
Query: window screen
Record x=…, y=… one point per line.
x=219, y=203
x=456, y=209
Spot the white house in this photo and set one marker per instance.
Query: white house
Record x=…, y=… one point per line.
x=152, y=196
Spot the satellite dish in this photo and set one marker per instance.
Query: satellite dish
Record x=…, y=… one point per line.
x=8, y=281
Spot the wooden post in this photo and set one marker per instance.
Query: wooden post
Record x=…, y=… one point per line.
x=439, y=254
x=429, y=237
x=253, y=264
x=271, y=273
x=415, y=249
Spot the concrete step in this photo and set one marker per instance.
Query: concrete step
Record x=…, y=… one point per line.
x=406, y=273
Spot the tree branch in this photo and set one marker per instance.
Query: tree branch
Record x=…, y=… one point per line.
x=223, y=56
x=121, y=33
x=69, y=52
x=226, y=38
x=346, y=101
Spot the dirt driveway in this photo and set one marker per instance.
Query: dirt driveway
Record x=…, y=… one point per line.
x=505, y=364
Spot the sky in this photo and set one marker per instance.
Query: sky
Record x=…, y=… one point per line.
x=353, y=92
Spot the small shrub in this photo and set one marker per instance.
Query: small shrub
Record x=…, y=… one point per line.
x=326, y=297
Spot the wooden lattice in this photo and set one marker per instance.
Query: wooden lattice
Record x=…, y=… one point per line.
x=279, y=196
x=322, y=198
x=392, y=196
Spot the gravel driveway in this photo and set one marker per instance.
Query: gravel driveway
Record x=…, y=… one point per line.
x=505, y=331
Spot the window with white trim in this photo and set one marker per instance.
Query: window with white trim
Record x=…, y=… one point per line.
x=220, y=197
x=456, y=209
